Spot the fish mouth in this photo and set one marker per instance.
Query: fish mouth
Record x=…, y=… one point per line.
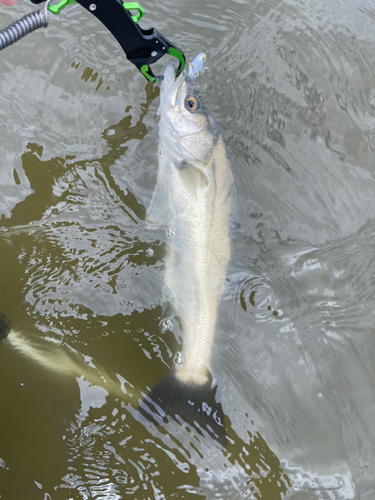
x=171, y=86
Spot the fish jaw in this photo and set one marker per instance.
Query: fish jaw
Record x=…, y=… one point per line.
x=170, y=88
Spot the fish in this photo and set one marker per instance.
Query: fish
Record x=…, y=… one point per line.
x=193, y=199
x=59, y=359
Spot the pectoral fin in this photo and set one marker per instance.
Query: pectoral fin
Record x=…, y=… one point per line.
x=193, y=177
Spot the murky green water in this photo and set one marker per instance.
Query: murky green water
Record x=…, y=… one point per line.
x=292, y=85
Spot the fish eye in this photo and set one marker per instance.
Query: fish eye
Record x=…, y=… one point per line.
x=192, y=104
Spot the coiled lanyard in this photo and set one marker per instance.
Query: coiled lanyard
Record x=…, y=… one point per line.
x=143, y=47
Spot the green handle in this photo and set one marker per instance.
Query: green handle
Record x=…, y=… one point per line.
x=134, y=6
x=56, y=9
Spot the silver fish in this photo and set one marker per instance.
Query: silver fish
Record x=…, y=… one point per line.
x=193, y=199
x=61, y=360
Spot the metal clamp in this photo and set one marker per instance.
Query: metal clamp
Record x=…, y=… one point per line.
x=24, y=26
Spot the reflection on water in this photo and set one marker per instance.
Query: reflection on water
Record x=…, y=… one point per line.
x=292, y=85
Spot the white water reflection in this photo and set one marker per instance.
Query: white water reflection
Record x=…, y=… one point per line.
x=92, y=396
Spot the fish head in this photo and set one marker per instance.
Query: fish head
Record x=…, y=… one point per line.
x=185, y=123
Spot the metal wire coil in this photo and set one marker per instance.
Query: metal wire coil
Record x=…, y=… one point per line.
x=23, y=27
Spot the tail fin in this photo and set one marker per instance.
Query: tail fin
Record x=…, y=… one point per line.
x=4, y=327
x=191, y=402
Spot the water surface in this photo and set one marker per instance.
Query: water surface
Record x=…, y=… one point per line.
x=81, y=276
